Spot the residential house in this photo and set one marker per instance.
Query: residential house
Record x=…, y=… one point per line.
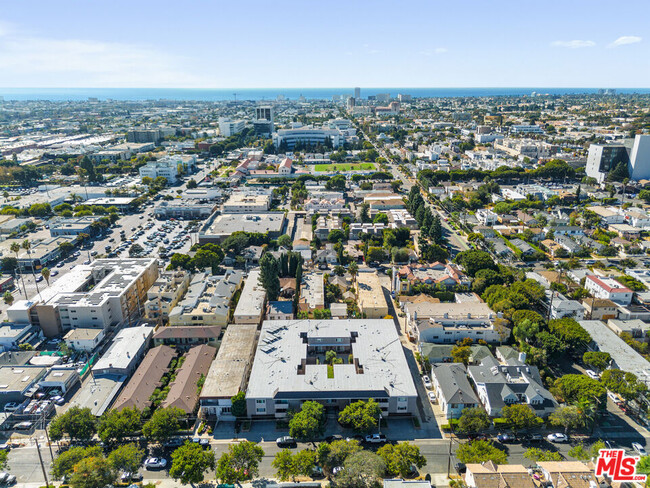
x=599, y=308
x=501, y=385
x=279, y=310
x=491, y=475
x=452, y=389
x=436, y=274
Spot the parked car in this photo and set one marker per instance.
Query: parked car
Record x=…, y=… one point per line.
x=175, y=442
x=432, y=397
x=504, y=438
x=286, y=441
x=7, y=479
x=11, y=407
x=532, y=437
x=376, y=439
x=558, y=437
x=155, y=463
x=126, y=477
x=460, y=468
x=337, y=469
x=592, y=374
x=427, y=382
x=639, y=449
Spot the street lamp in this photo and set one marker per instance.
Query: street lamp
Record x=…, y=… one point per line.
x=379, y=424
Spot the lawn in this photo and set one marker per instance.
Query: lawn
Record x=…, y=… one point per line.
x=345, y=167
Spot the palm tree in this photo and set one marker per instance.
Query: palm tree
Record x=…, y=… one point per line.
x=353, y=268
x=45, y=272
x=27, y=246
x=588, y=411
x=15, y=248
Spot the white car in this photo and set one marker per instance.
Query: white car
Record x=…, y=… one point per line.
x=376, y=439
x=432, y=397
x=427, y=381
x=155, y=463
x=639, y=449
x=592, y=374
x=557, y=438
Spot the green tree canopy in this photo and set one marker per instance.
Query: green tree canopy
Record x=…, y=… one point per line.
x=164, y=423
x=473, y=420
x=309, y=423
x=115, y=425
x=190, y=463
x=126, y=458
x=361, y=416
x=363, y=469
x=92, y=472
x=520, y=416
x=78, y=423
x=480, y=452
x=399, y=458
x=597, y=359
x=239, y=463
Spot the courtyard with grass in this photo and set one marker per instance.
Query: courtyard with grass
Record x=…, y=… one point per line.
x=345, y=167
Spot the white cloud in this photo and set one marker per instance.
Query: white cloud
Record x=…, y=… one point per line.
x=438, y=50
x=38, y=61
x=624, y=40
x=574, y=44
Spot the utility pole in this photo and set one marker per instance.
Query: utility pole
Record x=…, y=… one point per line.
x=40, y=458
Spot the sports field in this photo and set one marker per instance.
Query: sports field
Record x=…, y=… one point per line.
x=345, y=167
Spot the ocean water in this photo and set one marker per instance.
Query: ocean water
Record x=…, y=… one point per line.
x=260, y=94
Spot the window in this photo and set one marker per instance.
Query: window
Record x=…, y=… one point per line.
x=260, y=402
x=261, y=410
x=226, y=409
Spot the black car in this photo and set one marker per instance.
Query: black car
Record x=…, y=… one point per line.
x=460, y=468
x=286, y=441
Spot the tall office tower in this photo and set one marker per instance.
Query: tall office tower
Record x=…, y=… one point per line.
x=357, y=93
x=603, y=158
x=351, y=103
x=263, y=122
x=640, y=158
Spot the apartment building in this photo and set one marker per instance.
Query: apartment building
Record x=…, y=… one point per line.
x=207, y=300
x=247, y=203
x=250, y=308
x=169, y=167
x=106, y=293
x=165, y=293
x=290, y=367
x=608, y=288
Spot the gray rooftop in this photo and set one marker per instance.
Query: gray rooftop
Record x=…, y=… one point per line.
x=228, y=370
x=283, y=345
x=453, y=382
x=623, y=356
x=125, y=347
x=251, y=300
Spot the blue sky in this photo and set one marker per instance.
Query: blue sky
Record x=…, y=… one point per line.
x=327, y=43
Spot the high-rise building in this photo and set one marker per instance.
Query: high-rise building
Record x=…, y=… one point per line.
x=640, y=158
x=351, y=102
x=357, y=93
x=603, y=158
x=263, y=122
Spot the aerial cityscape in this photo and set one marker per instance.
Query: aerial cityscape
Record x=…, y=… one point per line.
x=387, y=267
